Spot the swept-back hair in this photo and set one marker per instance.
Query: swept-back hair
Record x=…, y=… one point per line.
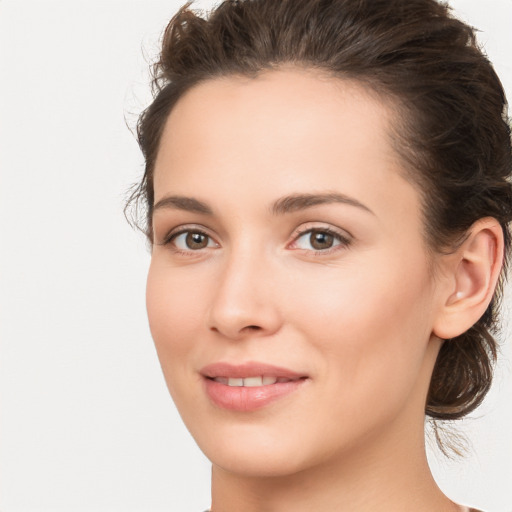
x=450, y=124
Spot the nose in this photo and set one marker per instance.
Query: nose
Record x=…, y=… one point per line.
x=245, y=303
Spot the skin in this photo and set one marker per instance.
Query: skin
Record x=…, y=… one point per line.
x=362, y=319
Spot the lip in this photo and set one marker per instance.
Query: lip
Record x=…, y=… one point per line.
x=249, y=369
x=246, y=399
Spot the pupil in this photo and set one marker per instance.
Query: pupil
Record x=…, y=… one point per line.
x=320, y=240
x=196, y=241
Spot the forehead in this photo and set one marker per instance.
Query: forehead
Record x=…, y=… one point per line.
x=286, y=131
x=283, y=114
x=288, y=98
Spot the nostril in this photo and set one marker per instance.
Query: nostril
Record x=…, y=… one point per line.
x=253, y=328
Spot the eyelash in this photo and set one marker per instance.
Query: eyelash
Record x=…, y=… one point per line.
x=344, y=241
x=173, y=235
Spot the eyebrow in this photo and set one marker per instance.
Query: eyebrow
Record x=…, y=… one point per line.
x=287, y=204
x=188, y=204
x=298, y=202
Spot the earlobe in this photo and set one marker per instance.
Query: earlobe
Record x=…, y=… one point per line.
x=473, y=274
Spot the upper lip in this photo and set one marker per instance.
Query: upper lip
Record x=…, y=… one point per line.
x=249, y=369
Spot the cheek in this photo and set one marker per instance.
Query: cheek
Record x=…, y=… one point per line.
x=368, y=323
x=364, y=297
x=367, y=333
x=175, y=314
x=173, y=308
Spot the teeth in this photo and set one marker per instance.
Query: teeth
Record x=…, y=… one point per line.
x=250, y=382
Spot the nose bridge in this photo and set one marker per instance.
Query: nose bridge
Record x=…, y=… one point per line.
x=243, y=301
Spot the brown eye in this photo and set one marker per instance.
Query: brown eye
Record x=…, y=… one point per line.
x=196, y=240
x=318, y=240
x=321, y=240
x=192, y=241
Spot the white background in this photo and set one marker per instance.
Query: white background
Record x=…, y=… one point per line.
x=86, y=423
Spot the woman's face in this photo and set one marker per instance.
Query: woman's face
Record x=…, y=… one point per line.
x=288, y=249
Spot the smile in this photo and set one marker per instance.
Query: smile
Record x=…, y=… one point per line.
x=251, y=382
x=249, y=386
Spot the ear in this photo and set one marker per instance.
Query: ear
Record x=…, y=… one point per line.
x=472, y=274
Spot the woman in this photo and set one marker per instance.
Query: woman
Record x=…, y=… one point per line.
x=327, y=203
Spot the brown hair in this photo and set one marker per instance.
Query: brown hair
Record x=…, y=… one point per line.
x=451, y=126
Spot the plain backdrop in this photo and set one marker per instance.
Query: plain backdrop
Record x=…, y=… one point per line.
x=86, y=423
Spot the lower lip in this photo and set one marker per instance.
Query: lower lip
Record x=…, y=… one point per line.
x=242, y=398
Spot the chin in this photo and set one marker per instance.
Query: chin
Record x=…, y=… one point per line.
x=255, y=463
x=255, y=451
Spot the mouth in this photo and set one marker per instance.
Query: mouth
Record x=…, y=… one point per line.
x=249, y=386
x=252, y=382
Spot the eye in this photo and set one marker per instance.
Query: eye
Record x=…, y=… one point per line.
x=191, y=240
x=320, y=239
